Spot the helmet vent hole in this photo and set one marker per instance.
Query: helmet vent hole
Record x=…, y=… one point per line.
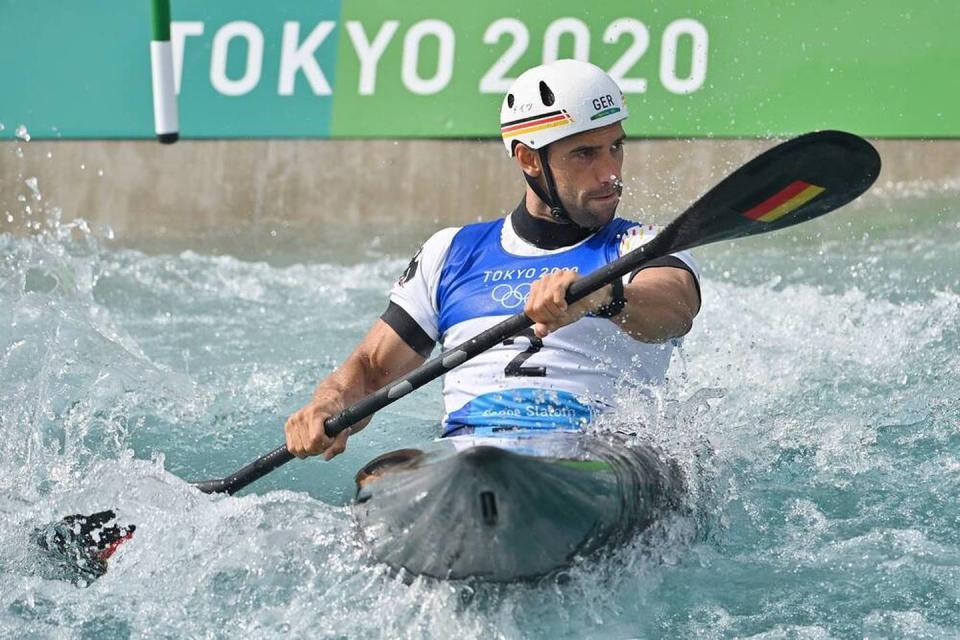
x=546, y=95
x=510, y=100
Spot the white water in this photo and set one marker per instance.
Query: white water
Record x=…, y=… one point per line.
x=823, y=374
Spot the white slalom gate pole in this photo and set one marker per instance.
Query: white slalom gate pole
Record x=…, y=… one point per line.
x=166, y=118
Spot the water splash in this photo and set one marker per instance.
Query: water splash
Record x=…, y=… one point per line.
x=816, y=399
x=34, y=187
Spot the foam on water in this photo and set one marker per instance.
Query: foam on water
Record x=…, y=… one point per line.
x=816, y=405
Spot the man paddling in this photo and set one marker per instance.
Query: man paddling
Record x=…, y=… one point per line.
x=562, y=124
x=793, y=182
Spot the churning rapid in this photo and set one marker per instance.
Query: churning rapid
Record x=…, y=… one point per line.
x=816, y=404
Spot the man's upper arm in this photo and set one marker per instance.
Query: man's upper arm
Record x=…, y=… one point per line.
x=412, y=312
x=680, y=281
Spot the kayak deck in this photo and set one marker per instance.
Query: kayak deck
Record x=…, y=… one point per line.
x=509, y=508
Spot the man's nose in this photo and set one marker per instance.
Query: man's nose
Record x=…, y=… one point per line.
x=608, y=169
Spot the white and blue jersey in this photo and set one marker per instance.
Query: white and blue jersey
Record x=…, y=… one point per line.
x=467, y=279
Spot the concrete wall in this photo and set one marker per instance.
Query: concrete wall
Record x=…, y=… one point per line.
x=257, y=196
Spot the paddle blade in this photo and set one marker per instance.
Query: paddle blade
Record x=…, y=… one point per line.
x=791, y=183
x=77, y=547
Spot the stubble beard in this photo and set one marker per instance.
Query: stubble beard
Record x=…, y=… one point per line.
x=585, y=217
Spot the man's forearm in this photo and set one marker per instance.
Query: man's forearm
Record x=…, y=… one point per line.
x=350, y=380
x=379, y=359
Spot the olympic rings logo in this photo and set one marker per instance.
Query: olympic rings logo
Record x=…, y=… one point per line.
x=511, y=296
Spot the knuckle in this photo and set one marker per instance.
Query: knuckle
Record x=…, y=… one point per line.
x=315, y=443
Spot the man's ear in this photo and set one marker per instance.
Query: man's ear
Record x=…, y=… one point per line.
x=528, y=159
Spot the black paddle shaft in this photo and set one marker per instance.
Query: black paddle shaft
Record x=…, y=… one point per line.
x=795, y=181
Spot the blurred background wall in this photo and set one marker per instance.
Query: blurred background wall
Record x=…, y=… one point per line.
x=249, y=196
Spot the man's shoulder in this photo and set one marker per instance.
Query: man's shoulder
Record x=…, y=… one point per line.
x=446, y=235
x=482, y=226
x=435, y=252
x=468, y=236
x=631, y=233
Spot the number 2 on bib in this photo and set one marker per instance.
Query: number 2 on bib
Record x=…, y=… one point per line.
x=515, y=367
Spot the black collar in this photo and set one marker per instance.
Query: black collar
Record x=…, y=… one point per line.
x=545, y=234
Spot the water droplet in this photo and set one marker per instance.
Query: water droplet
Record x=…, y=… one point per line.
x=34, y=187
x=9, y=217
x=2, y=127
x=19, y=152
x=49, y=155
x=83, y=167
x=22, y=133
x=100, y=172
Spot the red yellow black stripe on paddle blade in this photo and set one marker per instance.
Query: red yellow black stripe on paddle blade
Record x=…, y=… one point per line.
x=790, y=198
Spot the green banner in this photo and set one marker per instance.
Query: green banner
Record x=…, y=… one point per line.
x=431, y=68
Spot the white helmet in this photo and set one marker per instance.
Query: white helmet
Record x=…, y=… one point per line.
x=556, y=100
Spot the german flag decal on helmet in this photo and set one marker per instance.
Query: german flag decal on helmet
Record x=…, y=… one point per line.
x=535, y=123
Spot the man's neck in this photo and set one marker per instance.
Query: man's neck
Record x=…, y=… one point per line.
x=541, y=231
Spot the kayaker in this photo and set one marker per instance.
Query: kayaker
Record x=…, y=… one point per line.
x=562, y=123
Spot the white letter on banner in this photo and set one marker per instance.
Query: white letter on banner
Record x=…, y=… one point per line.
x=668, y=56
x=369, y=53
x=641, y=41
x=178, y=38
x=581, y=39
x=411, y=55
x=218, y=61
x=495, y=80
x=294, y=57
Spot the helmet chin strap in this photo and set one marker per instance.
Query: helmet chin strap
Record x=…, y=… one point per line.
x=550, y=197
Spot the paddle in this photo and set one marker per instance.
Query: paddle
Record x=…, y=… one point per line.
x=791, y=183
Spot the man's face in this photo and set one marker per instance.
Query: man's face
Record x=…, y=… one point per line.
x=587, y=169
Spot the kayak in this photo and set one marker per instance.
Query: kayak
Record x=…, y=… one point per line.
x=510, y=507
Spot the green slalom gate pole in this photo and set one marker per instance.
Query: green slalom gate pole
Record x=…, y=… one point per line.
x=165, y=116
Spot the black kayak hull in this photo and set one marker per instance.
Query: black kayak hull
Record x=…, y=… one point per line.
x=506, y=509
